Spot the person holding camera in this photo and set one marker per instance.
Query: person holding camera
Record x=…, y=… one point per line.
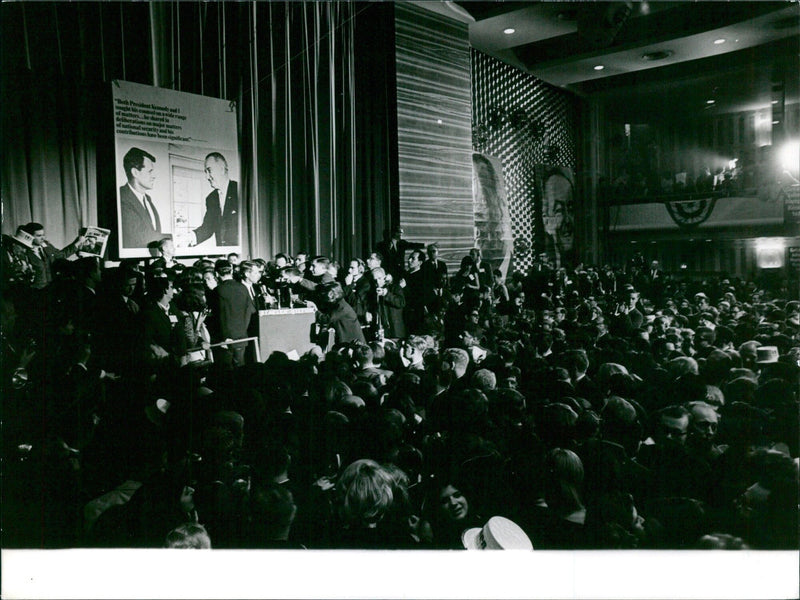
x=388, y=306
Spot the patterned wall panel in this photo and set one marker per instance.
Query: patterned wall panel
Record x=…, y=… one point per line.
x=525, y=122
x=434, y=110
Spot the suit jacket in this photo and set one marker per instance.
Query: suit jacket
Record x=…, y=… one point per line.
x=435, y=273
x=417, y=298
x=137, y=228
x=394, y=256
x=224, y=226
x=235, y=308
x=343, y=319
x=43, y=266
x=390, y=311
x=356, y=294
x=156, y=326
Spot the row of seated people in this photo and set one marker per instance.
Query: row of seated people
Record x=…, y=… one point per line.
x=597, y=420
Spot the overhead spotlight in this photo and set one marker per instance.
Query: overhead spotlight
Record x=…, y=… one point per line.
x=719, y=41
x=509, y=30
x=599, y=67
x=709, y=101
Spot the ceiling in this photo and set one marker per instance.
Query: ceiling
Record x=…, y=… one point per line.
x=563, y=43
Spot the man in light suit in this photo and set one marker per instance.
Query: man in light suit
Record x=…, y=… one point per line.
x=222, y=206
x=141, y=223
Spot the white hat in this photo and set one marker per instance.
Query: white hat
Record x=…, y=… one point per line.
x=23, y=237
x=157, y=412
x=499, y=533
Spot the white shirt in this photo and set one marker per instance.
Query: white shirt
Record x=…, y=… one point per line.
x=222, y=195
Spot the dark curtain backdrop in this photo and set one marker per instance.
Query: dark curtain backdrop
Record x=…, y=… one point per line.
x=313, y=83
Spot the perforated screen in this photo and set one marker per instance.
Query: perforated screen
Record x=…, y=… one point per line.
x=525, y=122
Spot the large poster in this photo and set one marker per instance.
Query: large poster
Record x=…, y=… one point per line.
x=555, y=190
x=492, y=218
x=178, y=171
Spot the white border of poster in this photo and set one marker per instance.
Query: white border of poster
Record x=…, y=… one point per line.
x=180, y=192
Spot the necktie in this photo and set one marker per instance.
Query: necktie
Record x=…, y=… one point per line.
x=151, y=211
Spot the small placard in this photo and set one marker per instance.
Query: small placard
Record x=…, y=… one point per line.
x=793, y=258
x=791, y=206
x=286, y=311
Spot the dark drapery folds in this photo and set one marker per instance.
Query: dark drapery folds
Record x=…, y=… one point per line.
x=314, y=86
x=320, y=150
x=54, y=60
x=377, y=194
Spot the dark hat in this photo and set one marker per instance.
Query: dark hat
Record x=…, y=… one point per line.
x=741, y=389
x=619, y=411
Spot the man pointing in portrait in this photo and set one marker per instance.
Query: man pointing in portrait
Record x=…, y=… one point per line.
x=222, y=206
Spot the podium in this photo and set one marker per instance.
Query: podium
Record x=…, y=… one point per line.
x=285, y=329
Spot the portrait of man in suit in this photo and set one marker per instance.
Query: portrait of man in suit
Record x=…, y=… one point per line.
x=222, y=206
x=141, y=223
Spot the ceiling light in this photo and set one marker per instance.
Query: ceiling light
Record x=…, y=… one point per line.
x=709, y=102
x=774, y=101
x=775, y=122
x=509, y=30
x=719, y=41
x=599, y=67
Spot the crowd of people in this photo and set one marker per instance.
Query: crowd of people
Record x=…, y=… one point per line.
x=581, y=408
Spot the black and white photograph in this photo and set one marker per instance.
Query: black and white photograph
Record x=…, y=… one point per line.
x=400, y=299
x=94, y=244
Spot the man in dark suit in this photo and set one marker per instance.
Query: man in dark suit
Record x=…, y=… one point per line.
x=436, y=278
x=222, y=206
x=42, y=255
x=390, y=303
x=393, y=251
x=232, y=308
x=157, y=320
x=141, y=223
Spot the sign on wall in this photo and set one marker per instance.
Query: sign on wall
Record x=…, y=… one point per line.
x=178, y=170
x=555, y=191
x=492, y=218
